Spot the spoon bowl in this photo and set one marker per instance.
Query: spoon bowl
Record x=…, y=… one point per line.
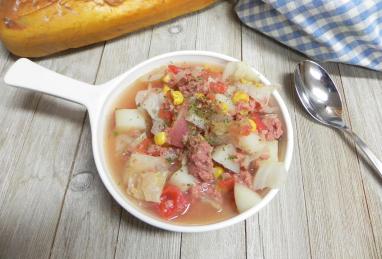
x=318, y=93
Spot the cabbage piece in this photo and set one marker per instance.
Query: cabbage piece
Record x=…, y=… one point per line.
x=145, y=177
x=239, y=70
x=245, y=198
x=251, y=143
x=152, y=185
x=196, y=120
x=221, y=98
x=269, y=174
x=182, y=179
x=129, y=119
x=272, y=149
x=143, y=163
x=226, y=155
x=260, y=94
x=151, y=101
x=125, y=141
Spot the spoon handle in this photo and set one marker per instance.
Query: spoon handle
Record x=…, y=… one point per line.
x=377, y=164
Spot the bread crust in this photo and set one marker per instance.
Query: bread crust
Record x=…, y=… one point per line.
x=55, y=26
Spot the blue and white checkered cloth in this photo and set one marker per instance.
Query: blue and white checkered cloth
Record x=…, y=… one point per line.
x=347, y=31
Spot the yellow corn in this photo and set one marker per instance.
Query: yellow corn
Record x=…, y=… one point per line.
x=243, y=112
x=166, y=88
x=177, y=97
x=223, y=107
x=245, y=81
x=252, y=124
x=199, y=95
x=240, y=96
x=160, y=138
x=218, y=171
x=258, y=84
x=166, y=78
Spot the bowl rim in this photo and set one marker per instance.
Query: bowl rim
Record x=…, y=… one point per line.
x=105, y=175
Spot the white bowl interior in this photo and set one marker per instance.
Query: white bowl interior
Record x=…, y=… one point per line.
x=128, y=80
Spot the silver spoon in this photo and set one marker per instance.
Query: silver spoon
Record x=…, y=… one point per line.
x=320, y=97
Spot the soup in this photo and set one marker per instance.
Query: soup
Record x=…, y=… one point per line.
x=195, y=143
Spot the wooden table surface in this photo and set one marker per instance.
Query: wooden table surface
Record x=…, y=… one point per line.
x=53, y=204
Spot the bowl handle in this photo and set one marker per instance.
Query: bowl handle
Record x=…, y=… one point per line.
x=27, y=74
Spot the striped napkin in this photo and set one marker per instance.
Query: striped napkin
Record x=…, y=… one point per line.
x=347, y=31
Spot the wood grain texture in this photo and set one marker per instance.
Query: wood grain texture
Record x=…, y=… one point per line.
x=79, y=234
x=363, y=95
x=135, y=236
x=36, y=180
x=53, y=204
x=283, y=223
x=229, y=242
x=339, y=224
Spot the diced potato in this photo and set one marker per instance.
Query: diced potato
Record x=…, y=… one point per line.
x=251, y=143
x=225, y=155
x=182, y=179
x=269, y=174
x=245, y=198
x=272, y=149
x=128, y=119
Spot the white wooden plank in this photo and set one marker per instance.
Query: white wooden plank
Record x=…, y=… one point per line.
x=78, y=234
x=36, y=179
x=339, y=225
x=363, y=94
x=283, y=223
x=224, y=37
x=134, y=236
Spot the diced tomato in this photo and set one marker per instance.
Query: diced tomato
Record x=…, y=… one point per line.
x=211, y=96
x=259, y=123
x=173, y=69
x=173, y=202
x=144, y=145
x=218, y=87
x=227, y=184
x=245, y=130
x=165, y=114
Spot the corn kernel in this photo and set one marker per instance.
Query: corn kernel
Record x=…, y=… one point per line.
x=199, y=95
x=245, y=81
x=166, y=88
x=223, y=107
x=240, y=96
x=218, y=171
x=259, y=84
x=160, y=138
x=177, y=97
x=252, y=124
x=166, y=78
x=243, y=112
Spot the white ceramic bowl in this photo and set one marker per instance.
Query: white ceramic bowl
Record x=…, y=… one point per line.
x=98, y=100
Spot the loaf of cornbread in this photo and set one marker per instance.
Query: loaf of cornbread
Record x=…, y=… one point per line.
x=35, y=28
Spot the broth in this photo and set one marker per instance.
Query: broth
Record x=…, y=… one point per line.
x=197, y=213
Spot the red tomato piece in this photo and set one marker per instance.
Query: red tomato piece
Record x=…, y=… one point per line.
x=144, y=145
x=227, y=184
x=245, y=130
x=173, y=202
x=259, y=123
x=173, y=69
x=218, y=87
x=165, y=114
